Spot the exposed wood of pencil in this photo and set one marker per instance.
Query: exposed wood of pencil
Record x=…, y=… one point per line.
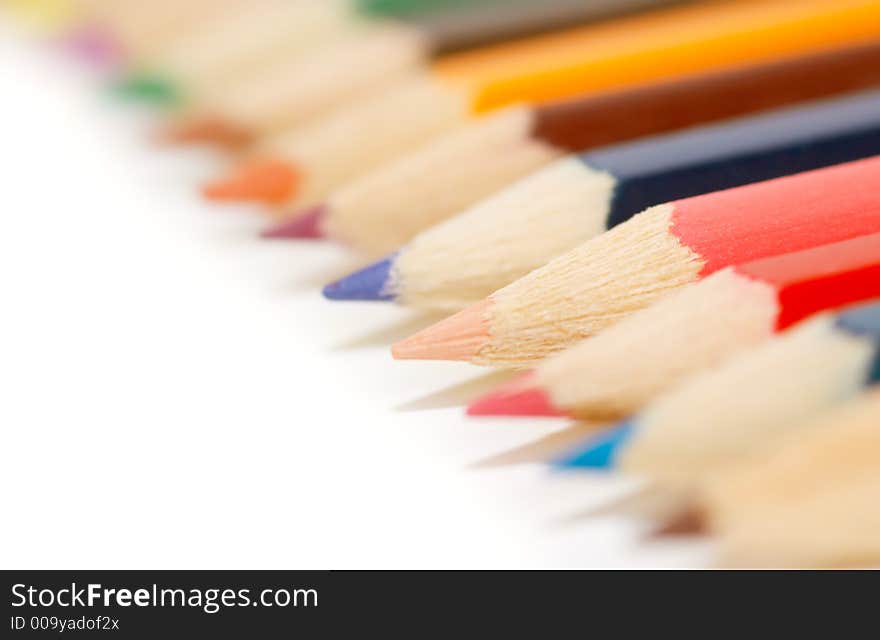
x=291, y=92
x=697, y=327
x=142, y=29
x=618, y=371
x=382, y=210
x=502, y=238
x=611, y=276
x=716, y=419
x=234, y=44
x=809, y=500
x=349, y=142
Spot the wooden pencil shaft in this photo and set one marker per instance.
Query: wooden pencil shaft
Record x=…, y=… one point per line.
x=700, y=427
x=142, y=29
x=238, y=42
x=808, y=499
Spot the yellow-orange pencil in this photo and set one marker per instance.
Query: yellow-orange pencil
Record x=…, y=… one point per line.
x=383, y=208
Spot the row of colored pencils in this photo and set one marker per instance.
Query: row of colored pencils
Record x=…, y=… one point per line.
x=667, y=212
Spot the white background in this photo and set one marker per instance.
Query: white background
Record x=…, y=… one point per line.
x=176, y=394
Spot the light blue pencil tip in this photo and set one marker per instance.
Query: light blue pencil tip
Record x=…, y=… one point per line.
x=601, y=451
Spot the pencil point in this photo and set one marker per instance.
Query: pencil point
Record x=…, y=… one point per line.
x=370, y=283
x=690, y=521
x=520, y=397
x=599, y=452
x=93, y=45
x=146, y=87
x=205, y=130
x=265, y=180
x=306, y=225
x=459, y=337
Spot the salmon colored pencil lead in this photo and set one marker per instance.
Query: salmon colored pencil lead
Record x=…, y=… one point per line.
x=305, y=226
x=459, y=337
x=264, y=180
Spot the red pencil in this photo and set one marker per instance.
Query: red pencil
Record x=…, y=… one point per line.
x=664, y=248
x=616, y=373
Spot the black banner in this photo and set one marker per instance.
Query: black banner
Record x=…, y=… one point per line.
x=339, y=604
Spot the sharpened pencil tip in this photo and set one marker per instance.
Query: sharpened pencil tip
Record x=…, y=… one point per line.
x=459, y=337
x=267, y=180
x=520, y=397
x=599, y=452
x=688, y=522
x=305, y=225
x=149, y=88
x=205, y=130
x=370, y=284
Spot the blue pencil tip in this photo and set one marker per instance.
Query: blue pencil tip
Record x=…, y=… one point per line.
x=601, y=451
x=370, y=283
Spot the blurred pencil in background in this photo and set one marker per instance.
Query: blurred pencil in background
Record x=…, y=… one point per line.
x=269, y=32
x=307, y=164
x=304, y=165
x=805, y=501
x=124, y=32
x=290, y=92
x=235, y=44
x=381, y=210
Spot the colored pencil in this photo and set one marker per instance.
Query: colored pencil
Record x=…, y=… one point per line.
x=378, y=211
x=129, y=31
x=691, y=330
x=807, y=501
x=483, y=249
x=288, y=93
x=47, y=16
x=304, y=166
x=662, y=249
x=718, y=418
x=234, y=44
x=617, y=53
x=271, y=31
